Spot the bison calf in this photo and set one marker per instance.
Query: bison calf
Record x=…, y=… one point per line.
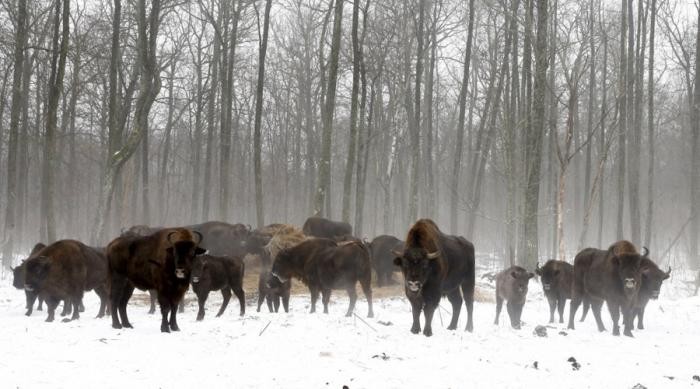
x=218, y=273
x=556, y=277
x=271, y=292
x=383, y=248
x=511, y=285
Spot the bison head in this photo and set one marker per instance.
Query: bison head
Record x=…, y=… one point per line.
x=18, y=275
x=652, y=278
x=181, y=254
x=37, y=269
x=282, y=269
x=255, y=243
x=549, y=275
x=520, y=280
x=198, y=269
x=417, y=265
x=628, y=271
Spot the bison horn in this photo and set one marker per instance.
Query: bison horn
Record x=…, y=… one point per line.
x=170, y=236
x=645, y=251
x=537, y=266
x=199, y=235
x=668, y=273
x=433, y=255
x=397, y=253
x=249, y=227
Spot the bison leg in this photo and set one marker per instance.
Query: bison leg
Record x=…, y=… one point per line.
x=238, y=291
x=314, y=297
x=615, y=315
x=428, y=312
x=640, y=317
x=181, y=305
x=367, y=290
x=31, y=297
x=41, y=304
x=627, y=320
x=165, y=308
x=560, y=307
x=67, y=308
x=154, y=296
x=586, y=307
x=261, y=299
x=513, y=315
x=276, y=302
x=118, y=285
x=173, y=317
x=285, y=300
x=352, y=294
x=597, y=306
x=326, y=298
x=268, y=301
x=552, y=307
x=226, y=293
x=381, y=277
x=499, y=306
x=126, y=296
x=81, y=307
x=575, y=303
x=101, y=292
x=416, y=307
x=468, y=293
x=76, y=308
x=201, y=301
x=51, y=304
x=455, y=299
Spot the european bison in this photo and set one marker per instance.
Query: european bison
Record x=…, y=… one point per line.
x=382, y=248
x=258, y=242
x=18, y=282
x=652, y=278
x=511, y=285
x=218, y=273
x=612, y=276
x=161, y=261
x=319, y=227
x=434, y=264
x=323, y=264
x=273, y=294
x=63, y=271
x=556, y=277
x=223, y=239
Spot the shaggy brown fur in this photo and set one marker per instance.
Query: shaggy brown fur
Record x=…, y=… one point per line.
x=323, y=228
x=435, y=264
x=382, y=248
x=211, y=273
x=612, y=276
x=323, y=265
x=556, y=277
x=511, y=285
x=162, y=261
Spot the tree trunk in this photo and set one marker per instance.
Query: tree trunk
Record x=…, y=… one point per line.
x=349, y=166
x=634, y=93
x=533, y=141
x=695, y=164
x=622, y=111
x=15, y=110
x=462, y=102
x=364, y=132
x=324, y=172
x=601, y=143
x=651, y=138
x=257, y=145
x=211, y=121
x=415, y=123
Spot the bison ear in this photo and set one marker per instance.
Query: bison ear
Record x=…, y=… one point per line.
x=616, y=261
x=538, y=271
x=530, y=275
x=169, y=250
x=199, y=251
x=514, y=274
x=397, y=261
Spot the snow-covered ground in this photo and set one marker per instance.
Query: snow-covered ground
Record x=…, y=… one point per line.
x=302, y=350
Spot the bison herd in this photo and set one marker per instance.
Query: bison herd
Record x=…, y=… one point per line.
x=324, y=256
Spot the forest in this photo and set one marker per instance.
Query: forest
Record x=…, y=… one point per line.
x=534, y=128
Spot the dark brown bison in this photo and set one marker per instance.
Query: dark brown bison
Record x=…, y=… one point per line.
x=218, y=273
x=323, y=228
x=161, y=261
x=323, y=264
x=652, y=278
x=511, y=285
x=556, y=277
x=259, y=239
x=63, y=271
x=383, y=248
x=223, y=239
x=18, y=282
x=613, y=276
x=435, y=264
x=273, y=294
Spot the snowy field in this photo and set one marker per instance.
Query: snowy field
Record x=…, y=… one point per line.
x=302, y=350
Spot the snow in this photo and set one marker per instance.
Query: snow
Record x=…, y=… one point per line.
x=302, y=350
